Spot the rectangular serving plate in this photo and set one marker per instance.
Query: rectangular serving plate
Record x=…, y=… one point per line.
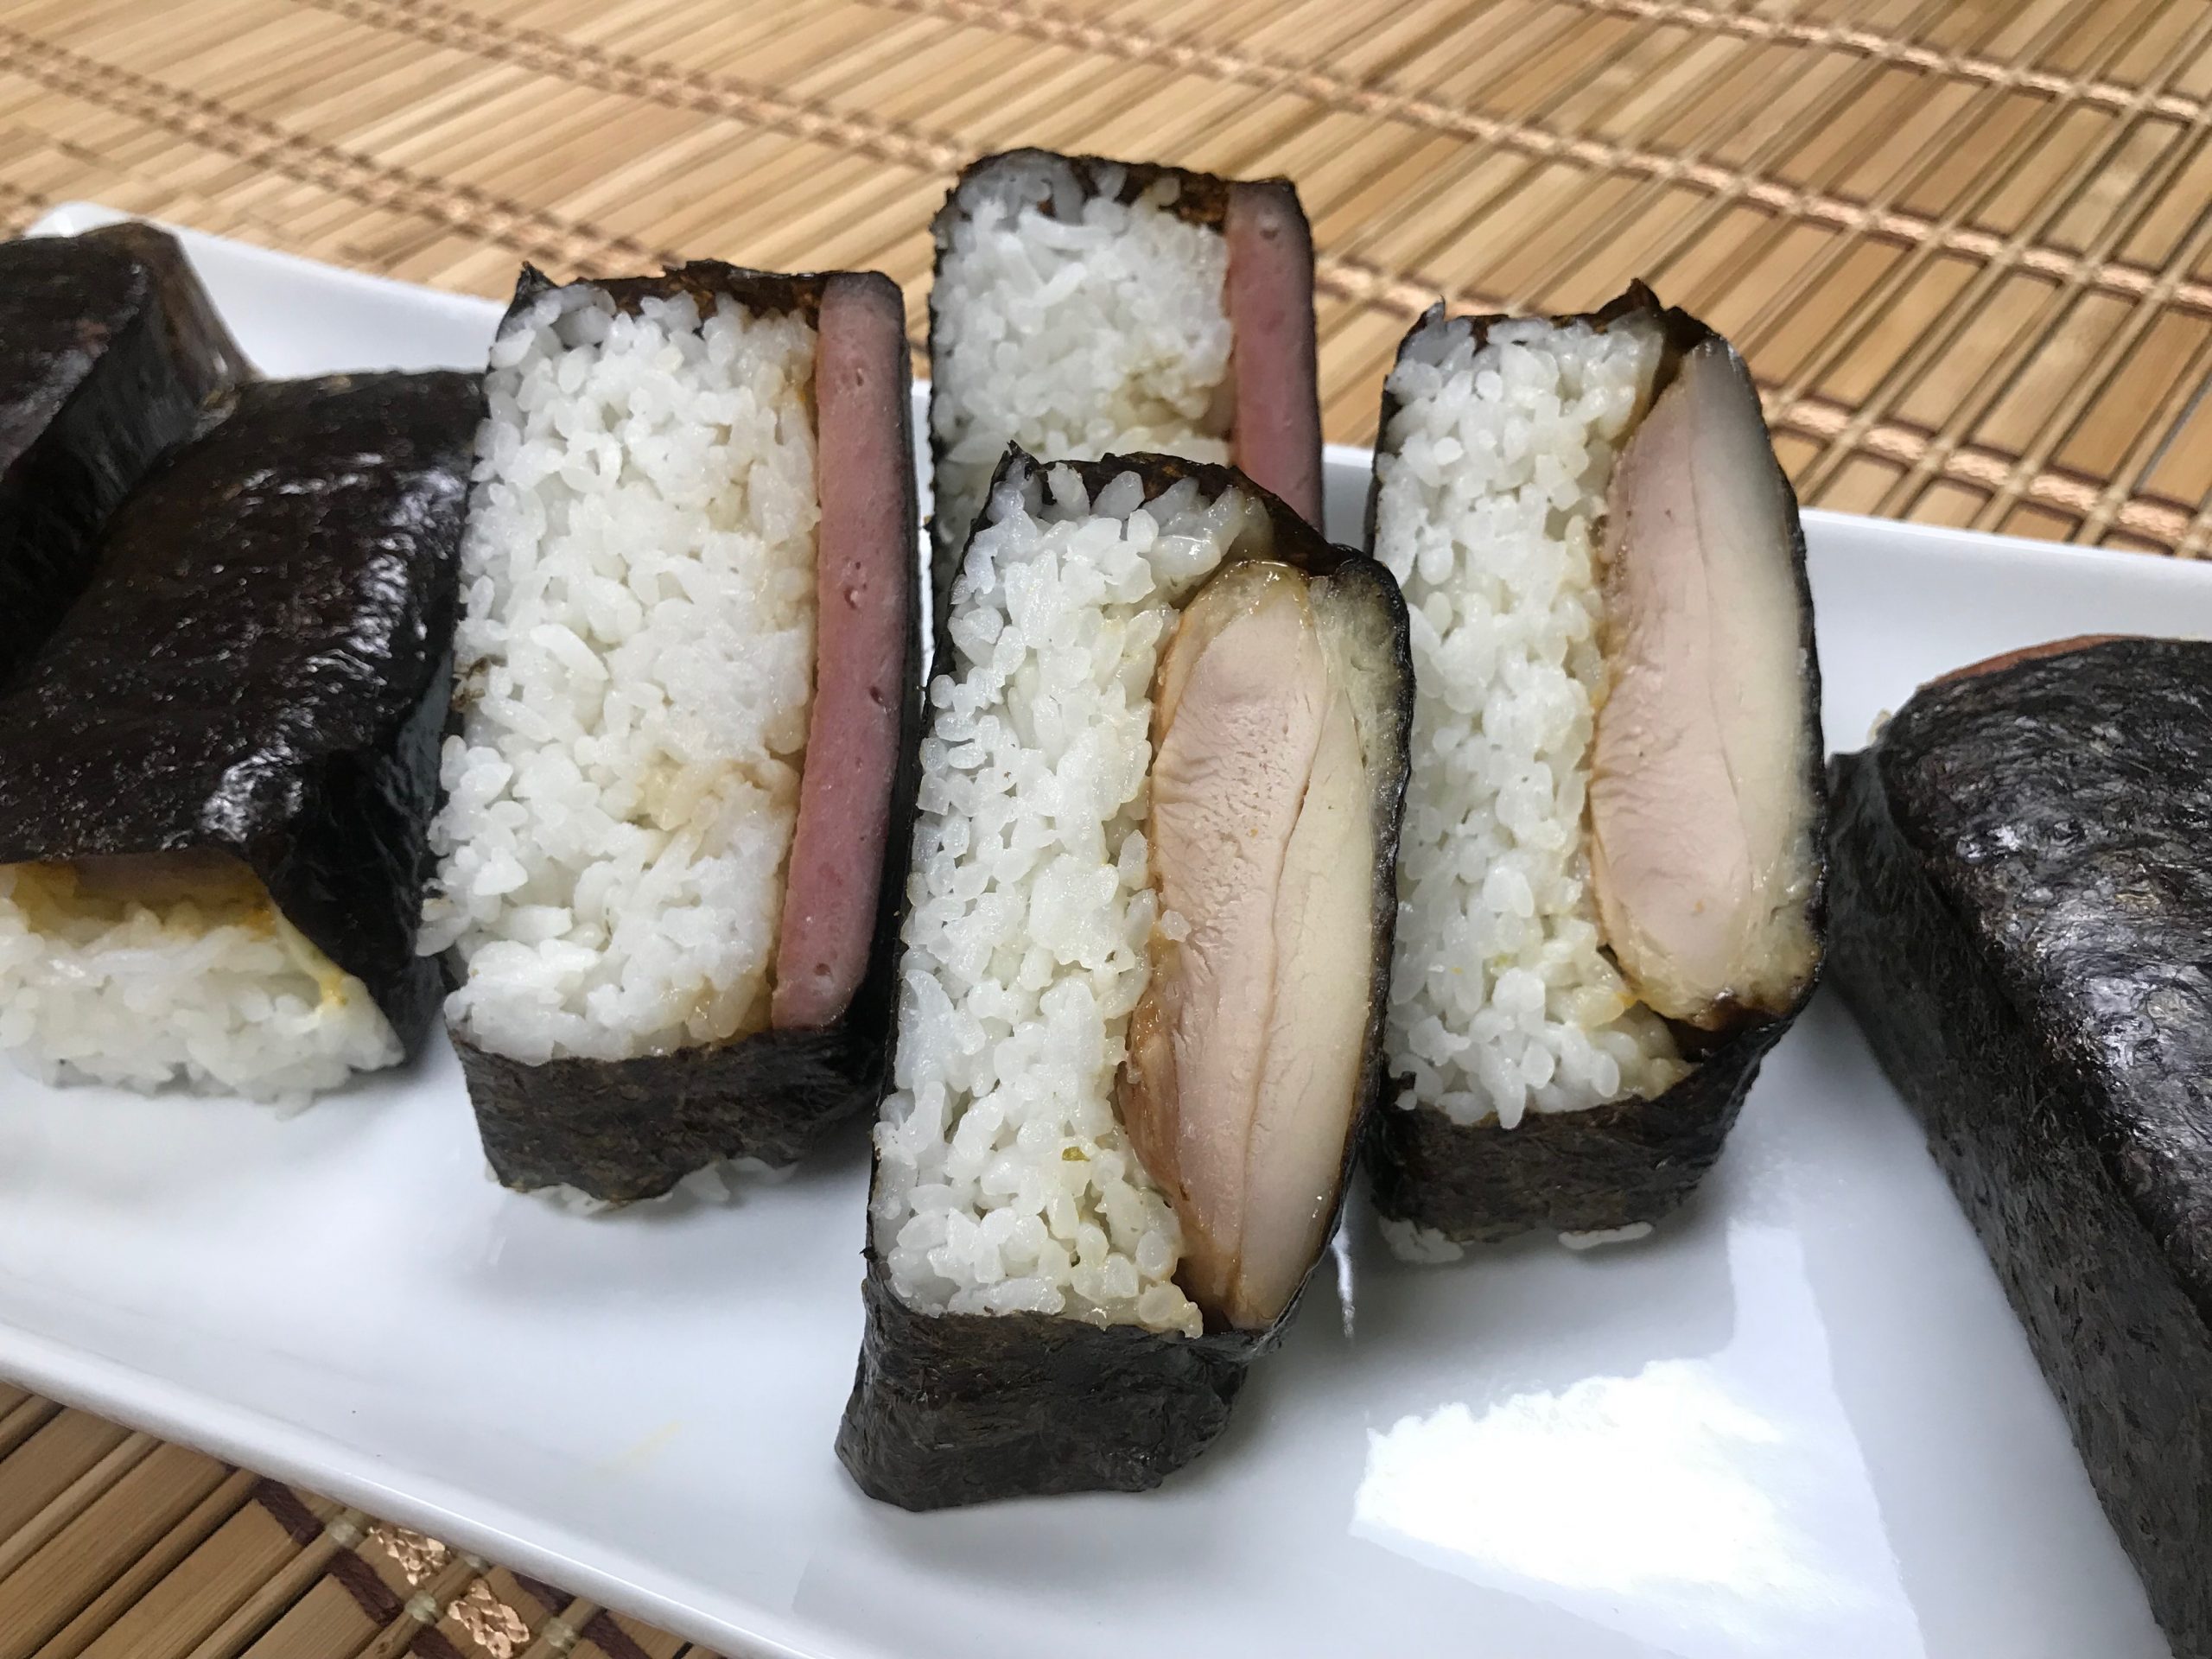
x=1798, y=1421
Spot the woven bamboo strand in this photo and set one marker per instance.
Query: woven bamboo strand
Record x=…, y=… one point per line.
x=1965, y=307
x=1997, y=378
x=1371, y=361
x=1753, y=334
x=1325, y=273
x=1599, y=155
x=2124, y=279
x=268, y=1602
x=1515, y=183
x=562, y=1632
x=1786, y=139
x=19, y=1545
x=1502, y=195
x=1873, y=304
x=2091, y=385
x=1837, y=35
x=2198, y=537
x=1975, y=107
x=2152, y=441
x=1972, y=114
x=25, y=1420
x=143, y=1573
x=534, y=233
x=422, y=1609
x=1996, y=174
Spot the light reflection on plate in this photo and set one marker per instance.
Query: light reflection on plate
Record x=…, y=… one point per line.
x=1662, y=1504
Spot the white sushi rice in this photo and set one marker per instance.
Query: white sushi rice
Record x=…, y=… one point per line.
x=1428, y=1247
x=1493, y=494
x=1424, y=1247
x=218, y=995
x=1603, y=1238
x=1004, y=1181
x=636, y=660
x=1101, y=327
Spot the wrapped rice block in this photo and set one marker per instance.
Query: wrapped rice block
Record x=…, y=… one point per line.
x=1611, y=879
x=686, y=684
x=1142, y=982
x=217, y=777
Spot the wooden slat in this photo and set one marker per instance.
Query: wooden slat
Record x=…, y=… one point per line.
x=66, y=1569
x=164, y=1625
x=47, y=1462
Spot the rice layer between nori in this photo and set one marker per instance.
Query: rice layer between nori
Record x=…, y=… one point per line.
x=2022, y=865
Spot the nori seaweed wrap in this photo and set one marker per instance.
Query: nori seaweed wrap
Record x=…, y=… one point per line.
x=1145, y=968
x=235, y=731
x=688, y=691
x=1610, y=876
x=108, y=349
x=2021, y=864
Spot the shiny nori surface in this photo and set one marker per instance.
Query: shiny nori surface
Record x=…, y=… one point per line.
x=1633, y=1161
x=2022, y=927
x=707, y=281
x=262, y=667
x=630, y=1129
x=962, y=1409
x=1610, y=1167
x=108, y=348
x=956, y=1408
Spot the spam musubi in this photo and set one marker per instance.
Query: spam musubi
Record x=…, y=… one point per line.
x=108, y=349
x=2023, y=928
x=1610, y=880
x=1083, y=307
x=217, y=776
x=686, y=682
x=1143, y=977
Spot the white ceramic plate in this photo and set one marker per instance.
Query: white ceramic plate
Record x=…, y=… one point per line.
x=1799, y=1422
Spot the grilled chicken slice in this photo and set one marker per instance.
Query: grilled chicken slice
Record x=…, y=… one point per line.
x=1702, y=816
x=1245, y=1052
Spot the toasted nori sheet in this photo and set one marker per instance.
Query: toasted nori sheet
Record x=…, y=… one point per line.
x=628, y=1129
x=1586, y=1172
x=108, y=348
x=707, y=281
x=261, y=666
x=958, y=1408
x=2022, y=927
x=962, y=1409
x=1634, y=1160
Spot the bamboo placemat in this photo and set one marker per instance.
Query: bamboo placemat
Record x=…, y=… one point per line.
x=1966, y=247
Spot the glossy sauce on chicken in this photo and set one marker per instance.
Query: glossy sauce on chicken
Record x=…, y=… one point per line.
x=1701, y=817
x=1244, y=1054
